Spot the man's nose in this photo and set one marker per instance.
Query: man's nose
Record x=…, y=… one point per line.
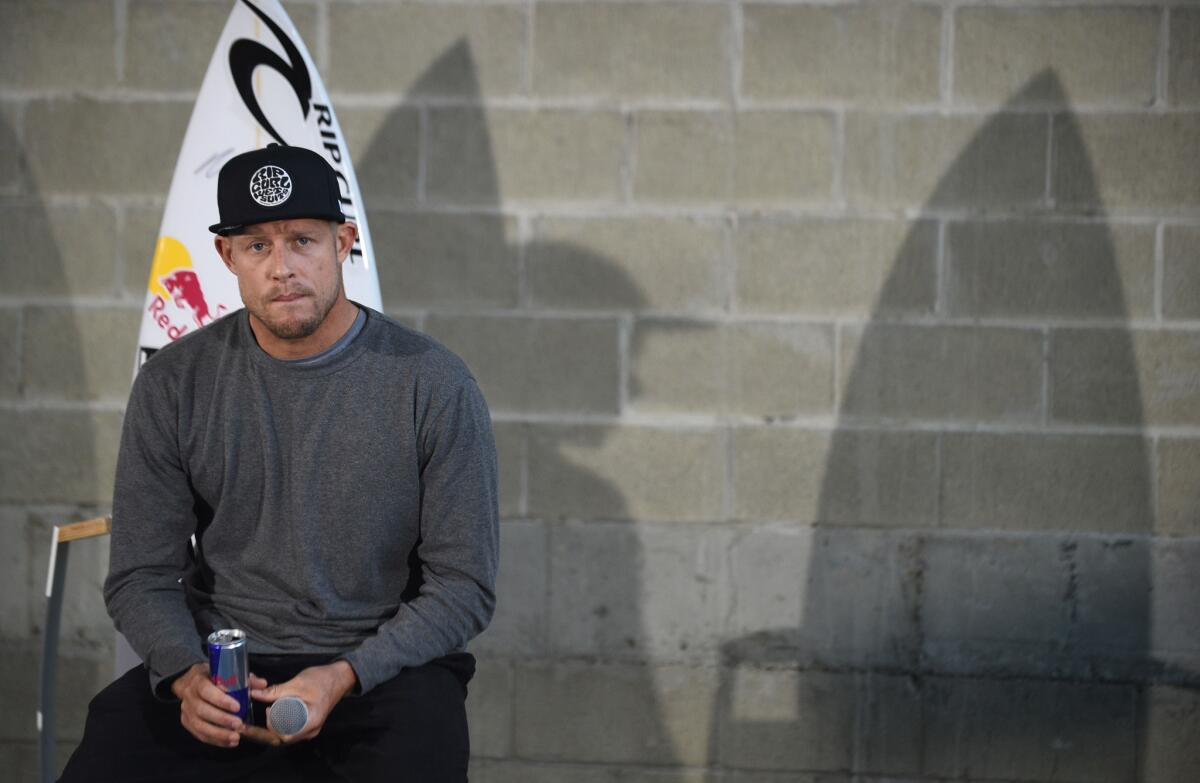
x=281, y=262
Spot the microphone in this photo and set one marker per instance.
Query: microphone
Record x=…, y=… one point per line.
x=287, y=716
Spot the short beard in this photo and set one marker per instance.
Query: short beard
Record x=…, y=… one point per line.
x=295, y=330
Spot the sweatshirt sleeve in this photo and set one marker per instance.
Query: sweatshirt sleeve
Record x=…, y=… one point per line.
x=152, y=522
x=458, y=546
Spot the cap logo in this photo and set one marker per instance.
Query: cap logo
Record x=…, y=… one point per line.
x=270, y=186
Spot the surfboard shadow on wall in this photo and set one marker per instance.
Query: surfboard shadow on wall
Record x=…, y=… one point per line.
x=972, y=598
x=571, y=563
x=52, y=470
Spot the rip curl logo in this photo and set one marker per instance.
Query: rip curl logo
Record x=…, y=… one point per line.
x=270, y=186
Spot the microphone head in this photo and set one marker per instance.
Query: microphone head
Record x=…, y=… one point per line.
x=287, y=716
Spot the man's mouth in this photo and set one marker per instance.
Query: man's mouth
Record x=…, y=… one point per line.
x=291, y=297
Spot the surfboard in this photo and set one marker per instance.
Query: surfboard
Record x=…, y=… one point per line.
x=261, y=88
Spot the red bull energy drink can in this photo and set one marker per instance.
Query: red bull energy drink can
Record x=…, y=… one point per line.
x=230, y=667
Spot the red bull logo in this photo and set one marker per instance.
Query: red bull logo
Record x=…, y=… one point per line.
x=229, y=683
x=184, y=287
x=172, y=280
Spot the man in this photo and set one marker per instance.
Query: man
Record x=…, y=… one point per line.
x=338, y=472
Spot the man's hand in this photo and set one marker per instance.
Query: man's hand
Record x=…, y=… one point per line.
x=209, y=713
x=319, y=687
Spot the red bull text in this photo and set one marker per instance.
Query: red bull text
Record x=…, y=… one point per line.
x=230, y=667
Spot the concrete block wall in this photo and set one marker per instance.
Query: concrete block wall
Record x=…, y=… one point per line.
x=843, y=358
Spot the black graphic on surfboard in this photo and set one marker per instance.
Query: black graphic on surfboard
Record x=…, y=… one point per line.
x=245, y=55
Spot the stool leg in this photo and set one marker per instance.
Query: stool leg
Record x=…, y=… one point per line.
x=47, y=712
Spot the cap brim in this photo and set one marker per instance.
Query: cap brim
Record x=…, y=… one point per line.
x=223, y=229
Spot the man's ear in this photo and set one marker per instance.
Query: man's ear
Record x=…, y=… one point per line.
x=345, y=234
x=224, y=248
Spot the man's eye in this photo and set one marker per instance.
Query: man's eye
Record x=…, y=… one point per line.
x=257, y=247
x=302, y=241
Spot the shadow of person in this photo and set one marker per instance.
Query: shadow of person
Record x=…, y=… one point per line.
x=50, y=469
x=567, y=651
x=972, y=600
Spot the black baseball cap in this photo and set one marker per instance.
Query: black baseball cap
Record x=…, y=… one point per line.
x=275, y=183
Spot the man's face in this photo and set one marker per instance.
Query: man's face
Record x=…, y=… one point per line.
x=289, y=272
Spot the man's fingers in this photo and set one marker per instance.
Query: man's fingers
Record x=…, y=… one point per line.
x=259, y=734
x=207, y=712
x=256, y=682
x=212, y=694
x=213, y=736
x=216, y=716
x=208, y=732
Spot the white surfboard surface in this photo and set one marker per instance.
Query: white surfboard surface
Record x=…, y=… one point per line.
x=261, y=88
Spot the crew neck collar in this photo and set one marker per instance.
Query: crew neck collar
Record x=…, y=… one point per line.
x=356, y=326
x=345, y=350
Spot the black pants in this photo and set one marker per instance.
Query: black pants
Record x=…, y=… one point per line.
x=412, y=727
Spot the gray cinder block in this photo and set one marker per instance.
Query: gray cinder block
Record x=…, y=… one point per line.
x=873, y=53
x=641, y=473
x=566, y=711
x=1100, y=55
x=56, y=456
x=1119, y=376
x=1035, y=269
x=101, y=340
x=615, y=51
x=683, y=156
x=940, y=373
x=388, y=48
x=628, y=263
x=827, y=267
x=894, y=160
x=524, y=155
x=89, y=145
x=60, y=249
x=545, y=372
x=58, y=45
x=1128, y=161
x=753, y=369
x=446, y=261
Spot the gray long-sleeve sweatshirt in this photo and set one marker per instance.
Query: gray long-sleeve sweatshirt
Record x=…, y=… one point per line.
x=347, y=507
